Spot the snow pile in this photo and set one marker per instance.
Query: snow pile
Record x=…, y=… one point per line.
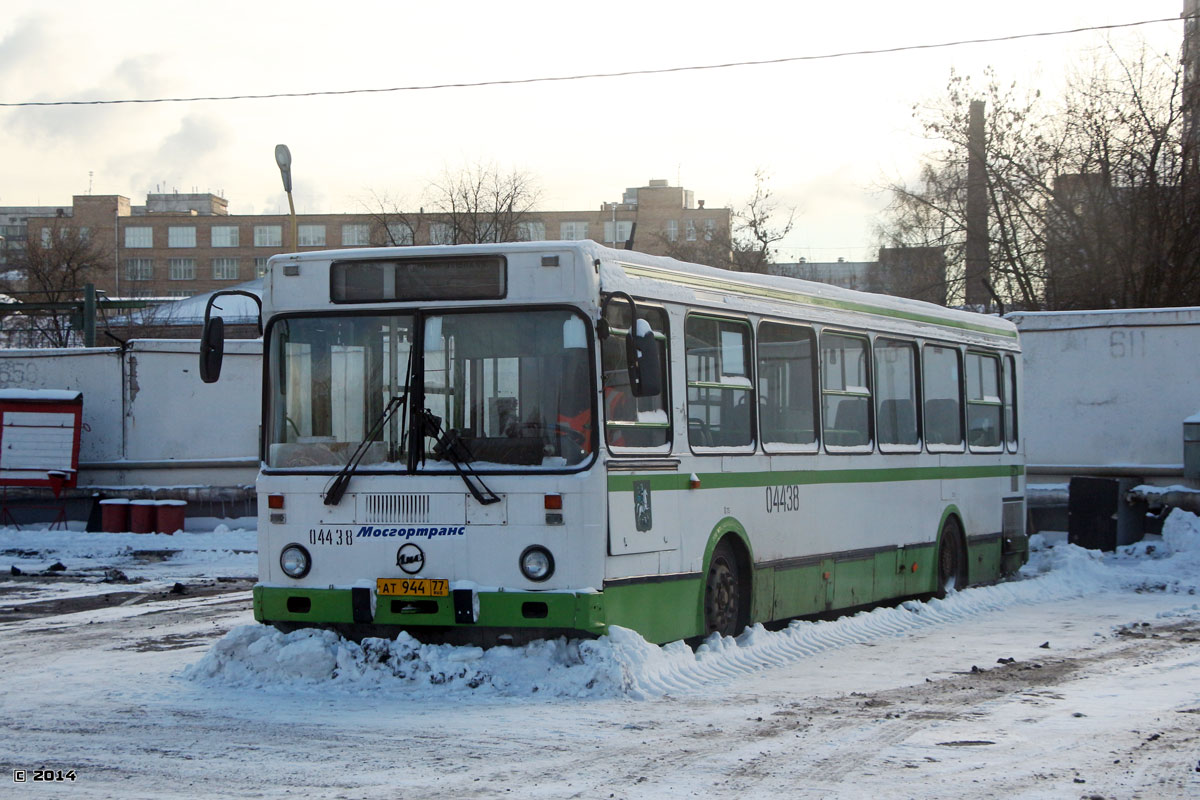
x=260, y=656
x=1181, y=535
x=622, y=664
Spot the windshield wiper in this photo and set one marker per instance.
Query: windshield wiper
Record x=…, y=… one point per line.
x=449, y=446
x=337, y=487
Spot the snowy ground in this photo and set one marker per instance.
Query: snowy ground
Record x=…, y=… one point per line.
x=146, y=688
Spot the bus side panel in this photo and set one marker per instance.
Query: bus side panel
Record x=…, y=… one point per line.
x=984, y=523
x=889, y=575
x=854, y=582
x=919, y=568
x=661, y=611
x=799, y=591
x=984, y=557
x=762, y=605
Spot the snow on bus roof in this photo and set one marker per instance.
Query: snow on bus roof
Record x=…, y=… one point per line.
x=812, y=291
x=610, y=259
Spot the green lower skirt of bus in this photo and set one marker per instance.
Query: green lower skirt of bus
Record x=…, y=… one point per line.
x=661, y=611
x=582, y=612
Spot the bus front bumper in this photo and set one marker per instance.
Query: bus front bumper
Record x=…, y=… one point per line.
x=495, y=617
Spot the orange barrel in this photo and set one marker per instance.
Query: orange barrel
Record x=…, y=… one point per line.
x=114, y=515
x=168, y=515
x=141, y=516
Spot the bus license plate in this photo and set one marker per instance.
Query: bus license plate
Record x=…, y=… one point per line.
x=412, y=587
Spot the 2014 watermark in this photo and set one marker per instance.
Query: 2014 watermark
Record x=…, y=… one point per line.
x=43, y=775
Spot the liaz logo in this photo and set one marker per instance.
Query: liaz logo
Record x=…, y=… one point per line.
x=411, y=532
x=410, y=558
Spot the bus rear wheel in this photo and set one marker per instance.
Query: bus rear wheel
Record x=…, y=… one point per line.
x=726, y=606
x=952, y=559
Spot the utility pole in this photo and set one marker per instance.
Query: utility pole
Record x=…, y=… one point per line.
x=89, y=315
x=1191, y=84
x=978, y=293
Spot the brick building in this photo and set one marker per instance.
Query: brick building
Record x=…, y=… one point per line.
x=178, y=245
x=915, y=272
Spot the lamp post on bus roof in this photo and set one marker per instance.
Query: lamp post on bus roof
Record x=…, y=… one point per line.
x=283, y=157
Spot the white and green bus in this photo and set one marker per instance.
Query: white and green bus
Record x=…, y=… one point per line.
x=495, y=443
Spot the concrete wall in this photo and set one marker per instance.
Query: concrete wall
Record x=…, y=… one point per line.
x=96, y=372
x=1109, y=388
x=148, y=418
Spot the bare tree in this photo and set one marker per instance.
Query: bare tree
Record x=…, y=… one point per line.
x=480, y=203
x=1125, y=225
x=53, y=268
x=931, y=211
x=391, y=225
x=750, y=246
x=1090, y=201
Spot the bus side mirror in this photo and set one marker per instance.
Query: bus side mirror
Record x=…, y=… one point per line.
x=212, y=341
x=212, y=349
x=645, y=360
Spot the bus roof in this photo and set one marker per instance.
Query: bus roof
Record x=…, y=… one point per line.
x=666, y=278
x=793, y=291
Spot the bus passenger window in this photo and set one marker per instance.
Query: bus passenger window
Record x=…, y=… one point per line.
x=845, y=391
x=631, y=421
x=1010, y=402
x=896, y=394
x=720, y=394
x=983, y=401
x=787, y=407
x=943, y=398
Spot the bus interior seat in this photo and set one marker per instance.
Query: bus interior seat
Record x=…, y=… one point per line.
x=792, y=425
x=735, y=427
x=850, y=424
x=897, y=422
x=942, y=423
x=698, y=433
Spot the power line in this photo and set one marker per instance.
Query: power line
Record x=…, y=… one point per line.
x=593, y=75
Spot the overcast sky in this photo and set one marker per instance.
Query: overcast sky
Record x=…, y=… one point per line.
x=829, y=132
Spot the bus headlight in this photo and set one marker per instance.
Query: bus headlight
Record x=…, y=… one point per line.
x=295, y=561
x=536, y=563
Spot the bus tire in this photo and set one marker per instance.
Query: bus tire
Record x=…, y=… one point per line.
x=952, y=559
x=726, y=595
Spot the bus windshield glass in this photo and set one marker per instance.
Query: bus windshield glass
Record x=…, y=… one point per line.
x=515, y=386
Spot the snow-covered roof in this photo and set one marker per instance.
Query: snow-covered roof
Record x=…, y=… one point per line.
x=1027, y=321
x=234, y=309
x=40, y=395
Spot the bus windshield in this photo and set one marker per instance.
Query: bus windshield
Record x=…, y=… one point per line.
x=515, y=386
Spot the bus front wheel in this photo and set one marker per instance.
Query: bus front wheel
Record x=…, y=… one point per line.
x=726, y=605
x=952, y=559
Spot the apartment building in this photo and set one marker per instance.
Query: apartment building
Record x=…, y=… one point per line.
x=178, y=245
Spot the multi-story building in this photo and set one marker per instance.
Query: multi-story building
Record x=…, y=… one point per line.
x=179, y=245
x=915, y=272
x=13, y=228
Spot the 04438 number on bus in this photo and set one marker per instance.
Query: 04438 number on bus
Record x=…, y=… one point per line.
x=783, y=498
x=334, y=536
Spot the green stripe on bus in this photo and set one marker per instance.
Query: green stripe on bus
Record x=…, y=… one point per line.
x=702, y=282
x=742, y=480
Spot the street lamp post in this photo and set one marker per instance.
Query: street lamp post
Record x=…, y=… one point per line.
x=283, y=157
